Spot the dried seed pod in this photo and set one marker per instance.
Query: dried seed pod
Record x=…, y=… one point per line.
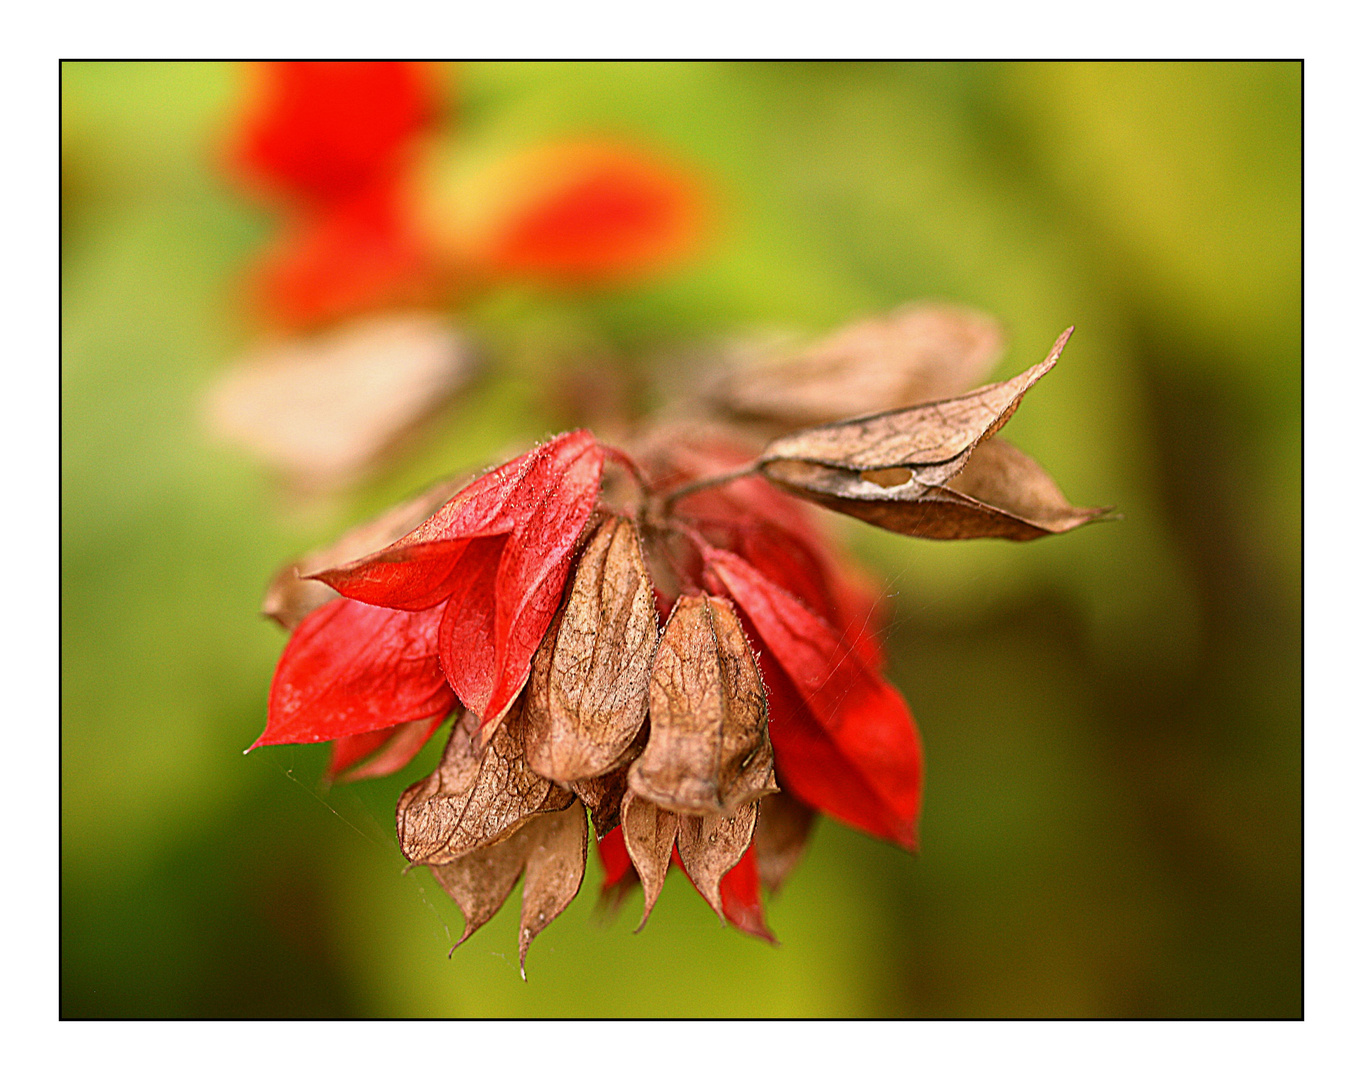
x=650, y=833
x=928, y=471
x=555, y=860
x=480, y=881
x=711, y=845
x=708, y=750
x=474, y=799
x=602, y=794
x=588, y=690
x=783, y=828
x=552, y=852
x=323, y=409
x=928, y=440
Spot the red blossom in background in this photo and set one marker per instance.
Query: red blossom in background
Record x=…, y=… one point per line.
x=338, y=146
x=587, y=213
x=319, y=132
x=333, y=142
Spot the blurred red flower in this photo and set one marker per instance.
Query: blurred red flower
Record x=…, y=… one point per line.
x=338, y=144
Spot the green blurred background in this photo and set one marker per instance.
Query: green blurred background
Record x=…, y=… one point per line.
x=1112, y=719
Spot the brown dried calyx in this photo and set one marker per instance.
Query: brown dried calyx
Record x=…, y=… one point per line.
x=919, y=352
x=708, y=750
x=474, y=799
x=783, y=828
x=602, y=794
x=551, y=850
x=588, y=691
x=709, y=846
x=930, y=470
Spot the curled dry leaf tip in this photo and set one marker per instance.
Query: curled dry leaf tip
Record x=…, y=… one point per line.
x=933, y=470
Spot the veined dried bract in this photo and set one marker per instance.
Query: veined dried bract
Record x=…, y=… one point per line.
x=929, y=471
x=550, y=850
x=474, y=798
x=588, y=689
x=708, y=750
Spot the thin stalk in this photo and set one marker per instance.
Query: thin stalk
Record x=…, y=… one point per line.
x=618, y=456
x=675, y=496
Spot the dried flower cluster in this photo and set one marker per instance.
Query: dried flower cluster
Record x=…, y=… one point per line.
x=659, y=635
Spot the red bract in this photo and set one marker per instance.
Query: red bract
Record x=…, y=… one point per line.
x=386, y=750
x=844, y=739
x=320, y=131
x=778, y=536
x=456, y=607
x=335, y=140
x=351, y=668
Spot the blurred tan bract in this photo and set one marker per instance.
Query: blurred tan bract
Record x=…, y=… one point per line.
x=322, y=410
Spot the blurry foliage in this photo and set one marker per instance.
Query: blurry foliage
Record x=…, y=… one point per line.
x=1112, y=719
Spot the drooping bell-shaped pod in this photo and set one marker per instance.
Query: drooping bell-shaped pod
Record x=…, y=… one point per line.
x=551, y=851
x=476, y=797
x=707, y=751
x=588, y=690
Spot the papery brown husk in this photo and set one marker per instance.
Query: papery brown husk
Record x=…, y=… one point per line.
x=650, y=833
x=783, y=827
x=933, y=471
x=556, y=859
x=602, y=794
x=708, y=749
x=588, y=690
x=551, y=850
x=474, y=799
x=711, y=845
x=999, y=492
x=919, y=352
x=930, y=442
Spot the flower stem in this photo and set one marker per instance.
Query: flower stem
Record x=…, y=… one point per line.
x=675, y=496
x=618, y=456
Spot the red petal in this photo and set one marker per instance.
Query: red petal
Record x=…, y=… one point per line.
x=486, y=648
x=321, y=130
x=468, y=635
x=742, y=899
x=589, y=213
x=614, y=858
x=800, y=568
x=392, y=748
x=845, y=741
x=421, y=569
x=350, y=668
